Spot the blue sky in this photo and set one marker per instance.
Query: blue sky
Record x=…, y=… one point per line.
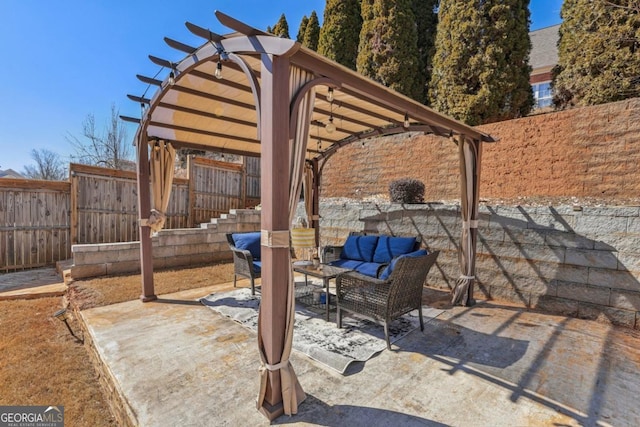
x=64, y=60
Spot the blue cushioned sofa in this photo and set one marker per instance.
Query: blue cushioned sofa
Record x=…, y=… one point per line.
x=372, y=255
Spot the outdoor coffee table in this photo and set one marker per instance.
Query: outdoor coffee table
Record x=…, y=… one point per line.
x=324, y=272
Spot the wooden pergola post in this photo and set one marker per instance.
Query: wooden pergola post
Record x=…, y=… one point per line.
x=275, y=167
x=144, y=210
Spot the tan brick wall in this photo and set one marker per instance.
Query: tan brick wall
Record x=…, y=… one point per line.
x=584, y=152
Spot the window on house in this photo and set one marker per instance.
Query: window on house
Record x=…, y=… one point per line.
x=542, y=94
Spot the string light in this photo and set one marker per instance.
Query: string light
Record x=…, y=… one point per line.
x=172, y=78
x=406, y=120
x=218, y=72
x=330, y=95
x=330, y=126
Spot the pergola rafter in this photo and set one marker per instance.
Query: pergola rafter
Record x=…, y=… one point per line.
x=251, y=93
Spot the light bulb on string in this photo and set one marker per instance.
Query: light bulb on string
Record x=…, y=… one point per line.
x=330, y=126
x=172, y=78
x=330, y=95
x=406, y=123
x=218, y=72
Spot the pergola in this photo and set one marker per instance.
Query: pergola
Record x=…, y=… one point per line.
x=251, y=93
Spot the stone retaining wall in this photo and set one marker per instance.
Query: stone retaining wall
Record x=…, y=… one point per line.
x=581, y=263
x=582, y=152
x=171, y=248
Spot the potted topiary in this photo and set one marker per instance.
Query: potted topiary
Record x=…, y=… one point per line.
x=406, y=190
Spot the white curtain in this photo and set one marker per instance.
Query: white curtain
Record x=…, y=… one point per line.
x=307, y=184
x=162, y=158
x=469, y=153
x=292, y=393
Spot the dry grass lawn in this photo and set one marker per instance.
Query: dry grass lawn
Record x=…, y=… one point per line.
x=42, y=364
x=101, y=291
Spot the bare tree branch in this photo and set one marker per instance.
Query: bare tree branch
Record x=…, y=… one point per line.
x=109, y=149
x=49, y=166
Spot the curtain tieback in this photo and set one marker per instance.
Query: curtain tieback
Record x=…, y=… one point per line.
x=468, y=277
x=470, y=224
x=275, y=238
x=277, y=366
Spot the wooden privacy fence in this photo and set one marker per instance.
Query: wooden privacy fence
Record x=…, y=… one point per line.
x=40, y=220
x=104, y=205
x=34, y=223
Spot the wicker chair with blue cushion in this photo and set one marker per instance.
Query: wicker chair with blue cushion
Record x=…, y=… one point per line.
x=385, y=300
x=246, y=256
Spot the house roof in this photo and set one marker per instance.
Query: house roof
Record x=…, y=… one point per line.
x=544, y=47
x=192, y=108
x=10, y=173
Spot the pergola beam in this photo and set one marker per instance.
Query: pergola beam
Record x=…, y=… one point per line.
x=190, y=50
x=207, y=114
x=177, y=143
x=205, y=95
x=202, y=132
x=371, y=92
x=149, y=80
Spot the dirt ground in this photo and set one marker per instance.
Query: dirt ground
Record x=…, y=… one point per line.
x=43, y=364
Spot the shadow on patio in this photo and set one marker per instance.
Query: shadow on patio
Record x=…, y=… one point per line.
x=489, y=365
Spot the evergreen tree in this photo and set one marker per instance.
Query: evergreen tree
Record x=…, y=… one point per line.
x=302, y=29
x=281, y=29
x=427, y=22
x=480, y=68
x=388, y=50
x=598, y=52
x=312, y=32
x=340, y=32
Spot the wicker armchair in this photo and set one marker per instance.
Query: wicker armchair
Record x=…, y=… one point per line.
x=243, y=264
x=383, y=301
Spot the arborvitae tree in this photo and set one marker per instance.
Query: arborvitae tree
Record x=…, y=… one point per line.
x=480, y=68
x=388, y=51
x=340, y=32
x=281, y=28
x=302, y=29
x=598, y=52
x=427, y=22
x=312, y=32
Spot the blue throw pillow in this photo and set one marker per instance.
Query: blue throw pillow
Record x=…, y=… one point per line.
x=359, y=248
x=387, y=271
x=248, y=241
x=390, y=247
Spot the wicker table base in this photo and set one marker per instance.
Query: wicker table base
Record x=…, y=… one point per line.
x=324, y=272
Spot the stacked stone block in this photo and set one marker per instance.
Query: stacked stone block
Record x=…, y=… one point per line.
x=171, y=248
x=574, y=261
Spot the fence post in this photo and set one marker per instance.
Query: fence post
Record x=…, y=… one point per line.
x=191, y=202
x=243, y=184
x=74, y=205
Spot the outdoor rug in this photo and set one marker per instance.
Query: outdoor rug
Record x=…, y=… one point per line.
x=358, y=340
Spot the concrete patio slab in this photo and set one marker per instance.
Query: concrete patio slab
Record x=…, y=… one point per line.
x=175, y=362
x=34, y=283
